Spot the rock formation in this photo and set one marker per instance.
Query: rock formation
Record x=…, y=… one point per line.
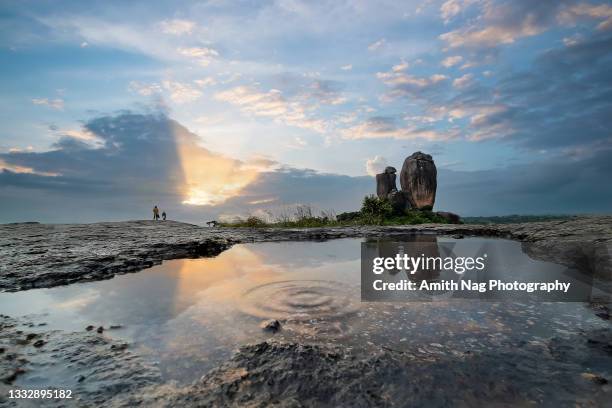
x=385, y=182
x=399, y=201
x=418, y=178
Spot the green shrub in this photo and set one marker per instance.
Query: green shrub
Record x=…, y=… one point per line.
x=375, y=210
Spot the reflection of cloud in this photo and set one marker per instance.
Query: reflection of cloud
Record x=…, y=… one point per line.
x=226, y=276
x=79, y=302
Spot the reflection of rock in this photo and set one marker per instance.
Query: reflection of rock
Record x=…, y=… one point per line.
x=419, y=179
x=385, y=182
x=416, y=246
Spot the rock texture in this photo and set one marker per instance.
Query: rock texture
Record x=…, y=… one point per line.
x=300, y=375
x=105, y=372
x=385, y=182
x=399, y=201
x=39, y=255
x=419, y=179
x=94, y=367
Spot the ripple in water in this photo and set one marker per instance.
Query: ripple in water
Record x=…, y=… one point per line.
x=299, y=300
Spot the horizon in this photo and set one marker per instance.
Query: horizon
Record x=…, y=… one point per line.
x=220, y=109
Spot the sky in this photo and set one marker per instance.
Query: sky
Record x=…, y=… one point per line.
x=214, y=109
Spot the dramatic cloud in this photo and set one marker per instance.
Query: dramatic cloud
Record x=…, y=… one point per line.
x=572, y=15
x=150, y=159
x=502, y=22
x=480, y=84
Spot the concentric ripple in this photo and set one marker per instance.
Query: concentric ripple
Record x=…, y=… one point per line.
x=299, y=300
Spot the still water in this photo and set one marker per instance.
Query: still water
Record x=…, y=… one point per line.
x=189, y=315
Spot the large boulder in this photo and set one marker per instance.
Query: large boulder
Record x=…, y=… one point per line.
x=418, y=179
x=385, y=182
x=399, y=201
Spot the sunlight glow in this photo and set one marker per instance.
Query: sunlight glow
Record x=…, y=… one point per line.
x=209, y=178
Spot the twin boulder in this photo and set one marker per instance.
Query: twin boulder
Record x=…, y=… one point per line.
x=418, y=180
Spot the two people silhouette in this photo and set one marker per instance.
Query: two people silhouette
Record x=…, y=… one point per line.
x=156, y=214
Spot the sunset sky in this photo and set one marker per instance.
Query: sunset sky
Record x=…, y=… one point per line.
x=213, y=109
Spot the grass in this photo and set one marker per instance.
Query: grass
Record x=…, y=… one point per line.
x=374, y=211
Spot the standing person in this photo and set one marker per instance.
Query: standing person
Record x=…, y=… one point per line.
x=164, y=216
x=155, y=213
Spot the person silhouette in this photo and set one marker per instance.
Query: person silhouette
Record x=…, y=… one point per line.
x=155, y=213
x=164, y=216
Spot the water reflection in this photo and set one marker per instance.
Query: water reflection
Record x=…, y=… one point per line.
x=188, y=315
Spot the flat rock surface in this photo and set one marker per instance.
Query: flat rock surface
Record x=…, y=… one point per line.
x=572, y=368
x=46, y=255
x=568, y=370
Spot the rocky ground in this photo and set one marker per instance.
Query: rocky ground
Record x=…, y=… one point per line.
x=570, y=370
x=562, y=371
x=44, y=255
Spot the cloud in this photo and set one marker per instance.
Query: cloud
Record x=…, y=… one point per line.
x=204, y=82
x=450, y=9
x=403, y=84
x=452, y=61
x=347, y=67
x=559, y=101
x=558, y=185
x=274, y=105
x=573, y=14
x=325, y=92
x=402, y=66
x=177, y=26
x=181, y=92
x=202, y=55
x=504, y=22
x=144, y=89
x=143, y=159
x=384, y=127
x=463, y=81
x=75, y=182
x=375, y=46
x=178, y=92
x=57, y=104
x=376, y=165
